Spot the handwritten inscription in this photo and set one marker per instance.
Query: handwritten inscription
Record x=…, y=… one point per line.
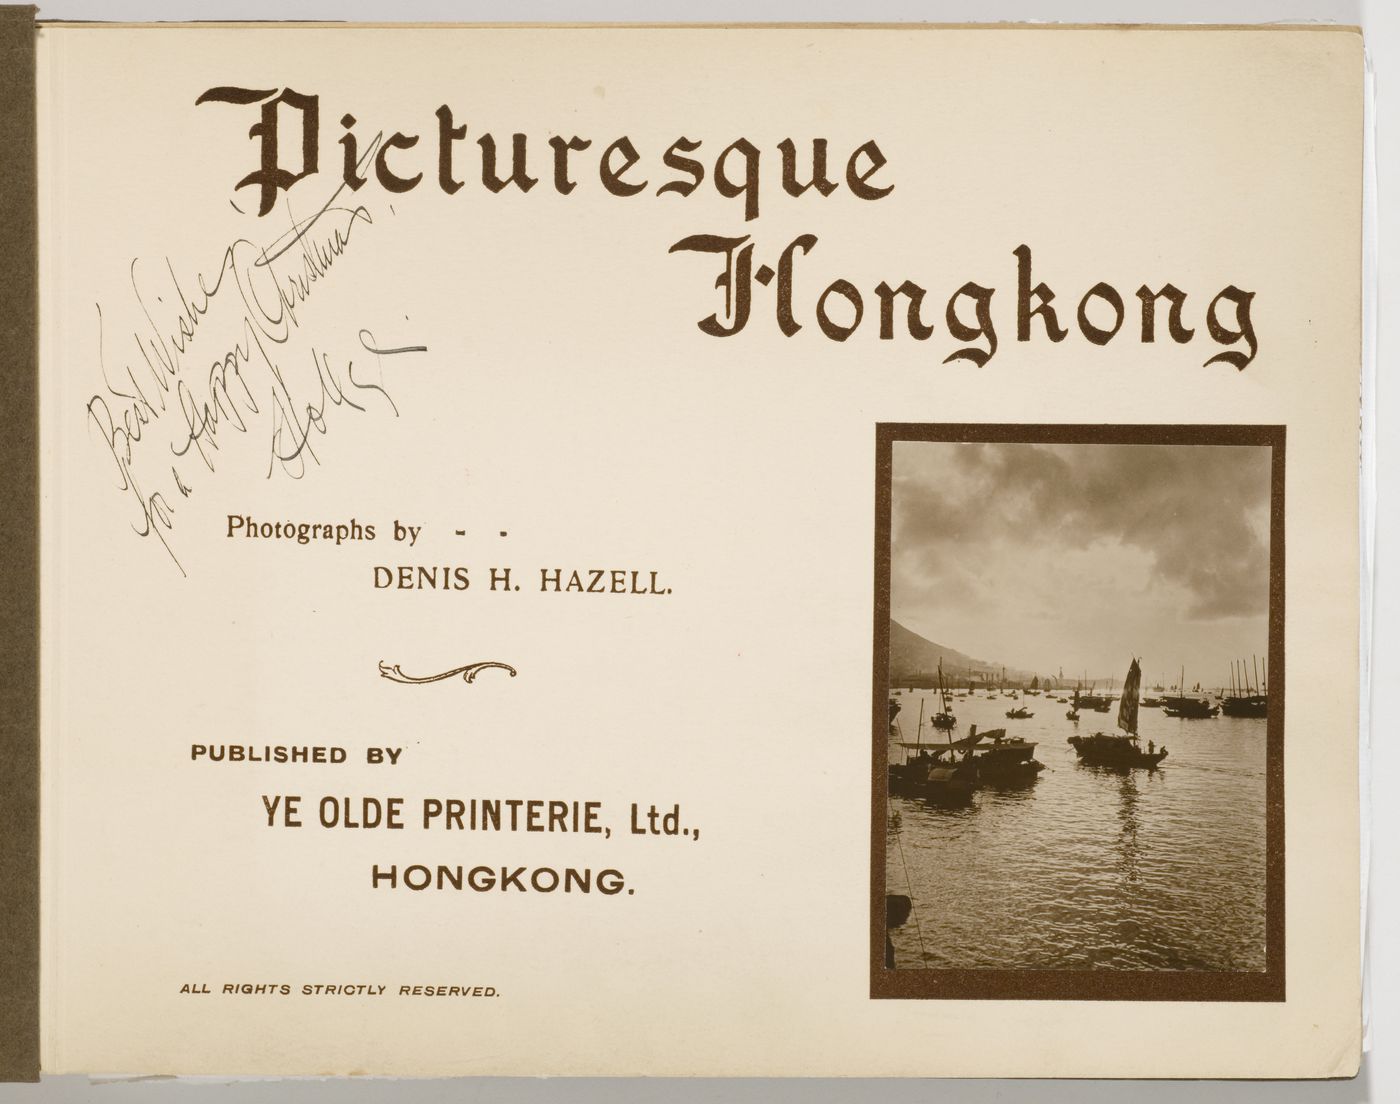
x=163, y=414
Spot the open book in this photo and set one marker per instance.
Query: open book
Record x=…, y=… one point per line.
x=717, y=550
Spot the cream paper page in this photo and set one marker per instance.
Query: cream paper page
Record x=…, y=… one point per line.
x=518, y=381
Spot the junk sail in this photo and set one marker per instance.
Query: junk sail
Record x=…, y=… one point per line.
x=1128, y=704
x=1108, y=749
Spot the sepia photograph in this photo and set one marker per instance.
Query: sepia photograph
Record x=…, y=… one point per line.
x=1077, y=714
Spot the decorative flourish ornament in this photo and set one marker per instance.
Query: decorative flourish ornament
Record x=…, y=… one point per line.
x=468, y=673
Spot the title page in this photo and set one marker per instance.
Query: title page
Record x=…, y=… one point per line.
x=736, y=551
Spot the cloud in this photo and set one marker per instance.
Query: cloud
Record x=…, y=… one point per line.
x=1191, y=520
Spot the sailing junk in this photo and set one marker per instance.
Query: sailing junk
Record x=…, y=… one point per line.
x=1252, y=705
x=1185, y=705
x=1109, y=749
x=1244, y=699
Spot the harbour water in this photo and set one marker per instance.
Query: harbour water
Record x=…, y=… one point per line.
x=1088, y=868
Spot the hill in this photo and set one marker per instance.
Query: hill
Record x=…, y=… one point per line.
x=912, y=658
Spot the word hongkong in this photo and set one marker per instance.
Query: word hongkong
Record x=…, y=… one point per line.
x=402, y=162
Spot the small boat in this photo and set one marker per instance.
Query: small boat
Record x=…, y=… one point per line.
x=934, y=772
x=897, y=910
x=1098, y=703
x=948, y=774
x=941, y=774
x=1120, y=750
x=1003, y=762
x=944, y=719
x=1153, y=703
x=1188, y=706
x=1019, y=714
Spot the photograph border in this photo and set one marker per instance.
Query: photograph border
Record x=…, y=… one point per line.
x=1121, y=985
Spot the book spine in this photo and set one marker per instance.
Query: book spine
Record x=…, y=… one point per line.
x=19, y=494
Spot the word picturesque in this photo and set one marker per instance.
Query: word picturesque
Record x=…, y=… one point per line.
x=737, y=172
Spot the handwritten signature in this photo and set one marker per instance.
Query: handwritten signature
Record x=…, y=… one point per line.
x=170, y=394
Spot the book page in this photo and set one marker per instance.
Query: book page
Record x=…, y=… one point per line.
x=700, y=551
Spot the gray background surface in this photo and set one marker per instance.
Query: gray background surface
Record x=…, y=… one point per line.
x=1380, y=1076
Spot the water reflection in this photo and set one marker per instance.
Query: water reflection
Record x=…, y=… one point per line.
x=1091, y=867
x=1127, y=817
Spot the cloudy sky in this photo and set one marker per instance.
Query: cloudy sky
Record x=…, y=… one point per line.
x=1082, y=556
